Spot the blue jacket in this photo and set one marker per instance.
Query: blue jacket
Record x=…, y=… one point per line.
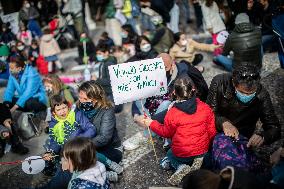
x=5, y=73
x=29, y=86
x=83, y=128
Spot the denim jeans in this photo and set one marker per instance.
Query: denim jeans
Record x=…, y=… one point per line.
x=281, y=52
x=174, y=13
x=146, y=22
x=226, y=62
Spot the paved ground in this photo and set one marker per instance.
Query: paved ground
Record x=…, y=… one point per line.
x=141, y=168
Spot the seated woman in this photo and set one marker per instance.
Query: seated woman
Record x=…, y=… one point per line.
x=100, y=111
x=129, y=38
x=190, y=124
x=144, y=50
x=185, y=49
x=26, y=82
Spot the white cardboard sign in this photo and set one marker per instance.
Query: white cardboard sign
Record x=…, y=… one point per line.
x=137, y=80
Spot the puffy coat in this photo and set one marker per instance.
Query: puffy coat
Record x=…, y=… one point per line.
x=227, y=107
x=190, y=125
x=48, y=46
x=82, y=127
x=245, y=42
x=29, y=86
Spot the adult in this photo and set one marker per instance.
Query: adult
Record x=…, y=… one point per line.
x=144, y=50
x=26, y=82
x=86, y=49
x=245, y=42
x=239, y=101
x=100, y=111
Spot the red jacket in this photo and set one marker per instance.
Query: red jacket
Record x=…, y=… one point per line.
x=190, y=125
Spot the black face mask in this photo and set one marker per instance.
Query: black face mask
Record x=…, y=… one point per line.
x=86, y=106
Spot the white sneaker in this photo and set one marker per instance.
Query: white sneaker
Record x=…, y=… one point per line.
x=112, y=176
x=116, y=167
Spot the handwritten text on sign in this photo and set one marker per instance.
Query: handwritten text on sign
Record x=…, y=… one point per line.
x=137, y=80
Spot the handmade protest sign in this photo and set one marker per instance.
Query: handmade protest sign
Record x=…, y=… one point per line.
x=137, y=80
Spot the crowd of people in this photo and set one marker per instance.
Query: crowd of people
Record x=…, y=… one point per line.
x=210, y=134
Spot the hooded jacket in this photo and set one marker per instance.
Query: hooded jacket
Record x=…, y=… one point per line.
x=245, y=42
x=191, y=126
x=92, y=178
x=48, y=46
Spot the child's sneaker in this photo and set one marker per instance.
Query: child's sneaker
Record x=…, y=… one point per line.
x=112, y=176
x=116, y=167
x=176, y=178
x=165, y=163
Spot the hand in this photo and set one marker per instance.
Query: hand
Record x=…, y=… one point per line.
x=255, y=141
x=147, y=121
x=14, y=108
x=47, y=157
x=7, y=123
x=230, y=130
x=214, y=47
x=138, y=119
x=5, y=134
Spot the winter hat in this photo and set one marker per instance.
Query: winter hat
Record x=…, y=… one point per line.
x=4, y=50
x=242, y=18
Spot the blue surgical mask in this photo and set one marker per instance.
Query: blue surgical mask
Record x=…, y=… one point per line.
x=100, y=57
x=124, y=35
x=245, y=98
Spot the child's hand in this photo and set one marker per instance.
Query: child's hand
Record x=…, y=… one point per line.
x=147, y=121
x=47, y=157
x=138, y=119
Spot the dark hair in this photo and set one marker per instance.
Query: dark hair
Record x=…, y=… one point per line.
x=247, y=76
x=102, y=47
x=129, y=29
x=57, y=100
x=184, y=88
x=209, y=3
x=105, y=35
x=81, y=152
x=46, y=31
x=201, y=179
x=34, y=42
x=20, y=63
x=139, y=40
x=177, y=36
x=95, y=91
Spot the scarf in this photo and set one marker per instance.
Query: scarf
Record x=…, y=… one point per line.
x=91, y=113
x=58, y=131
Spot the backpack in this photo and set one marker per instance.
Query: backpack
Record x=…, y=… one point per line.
x=227, y=151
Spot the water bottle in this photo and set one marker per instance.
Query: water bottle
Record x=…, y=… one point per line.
x=87, y=74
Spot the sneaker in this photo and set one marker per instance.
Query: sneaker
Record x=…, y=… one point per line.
x=20, y=149
x=116, y=167
x=165, y=163
x=176, y=178
x=112, y=176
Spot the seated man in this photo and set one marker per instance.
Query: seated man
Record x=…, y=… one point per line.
x=239, y=101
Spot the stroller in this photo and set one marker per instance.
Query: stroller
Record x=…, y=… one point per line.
x=63, y=32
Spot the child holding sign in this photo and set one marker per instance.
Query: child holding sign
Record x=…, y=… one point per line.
x=190, y=124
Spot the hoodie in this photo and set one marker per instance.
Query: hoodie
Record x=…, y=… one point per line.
x=191, y=126
x=92, y=178
x=48, y=46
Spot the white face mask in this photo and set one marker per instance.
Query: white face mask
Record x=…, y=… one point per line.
x=27, y=5
x=183, y=42
x=146, y=47
x=3, y=58
x=20, y=48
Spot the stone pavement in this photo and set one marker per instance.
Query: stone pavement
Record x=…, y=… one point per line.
x=141, y=168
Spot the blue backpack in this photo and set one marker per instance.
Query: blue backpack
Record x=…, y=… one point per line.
x=231, y=152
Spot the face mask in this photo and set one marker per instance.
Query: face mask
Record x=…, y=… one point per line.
x=146, y=48
x=27, y=5
x=100, y=57
x=123, y=35
x=48, y=90
x=20, y=48
x=183, y=42
x=86, y=106
x=3, y=58
x=245, y=98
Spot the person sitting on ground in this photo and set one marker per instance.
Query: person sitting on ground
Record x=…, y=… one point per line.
x=25, y=90
x=4, y=65
x=25, y=35
x=185, y=49
x=239, y=101
x=8, y=133
x=105, y=39
x=245, y=42
x=7, y=36
x=163, y=38
x=129, y=38
x=120, y=53
x=33, y=52
x=190, y=124
x=79, y=157
x=144, y=50
x=90, y=49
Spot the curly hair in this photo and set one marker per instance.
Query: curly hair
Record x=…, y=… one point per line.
x=247, y=76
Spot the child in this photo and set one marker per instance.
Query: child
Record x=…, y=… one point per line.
x=25, y=36
x=33, y=52
x=79, y=157
x=105, y=39
x=190, y=124
x=66, y=124
x=49, y=48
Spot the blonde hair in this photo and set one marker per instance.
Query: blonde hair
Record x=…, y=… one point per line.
x=55, y=81
x=95, y=92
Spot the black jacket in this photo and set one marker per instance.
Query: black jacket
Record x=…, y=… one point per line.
x=227, y=107
x=105, y=124
x=245, y=42
x=143, y=55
